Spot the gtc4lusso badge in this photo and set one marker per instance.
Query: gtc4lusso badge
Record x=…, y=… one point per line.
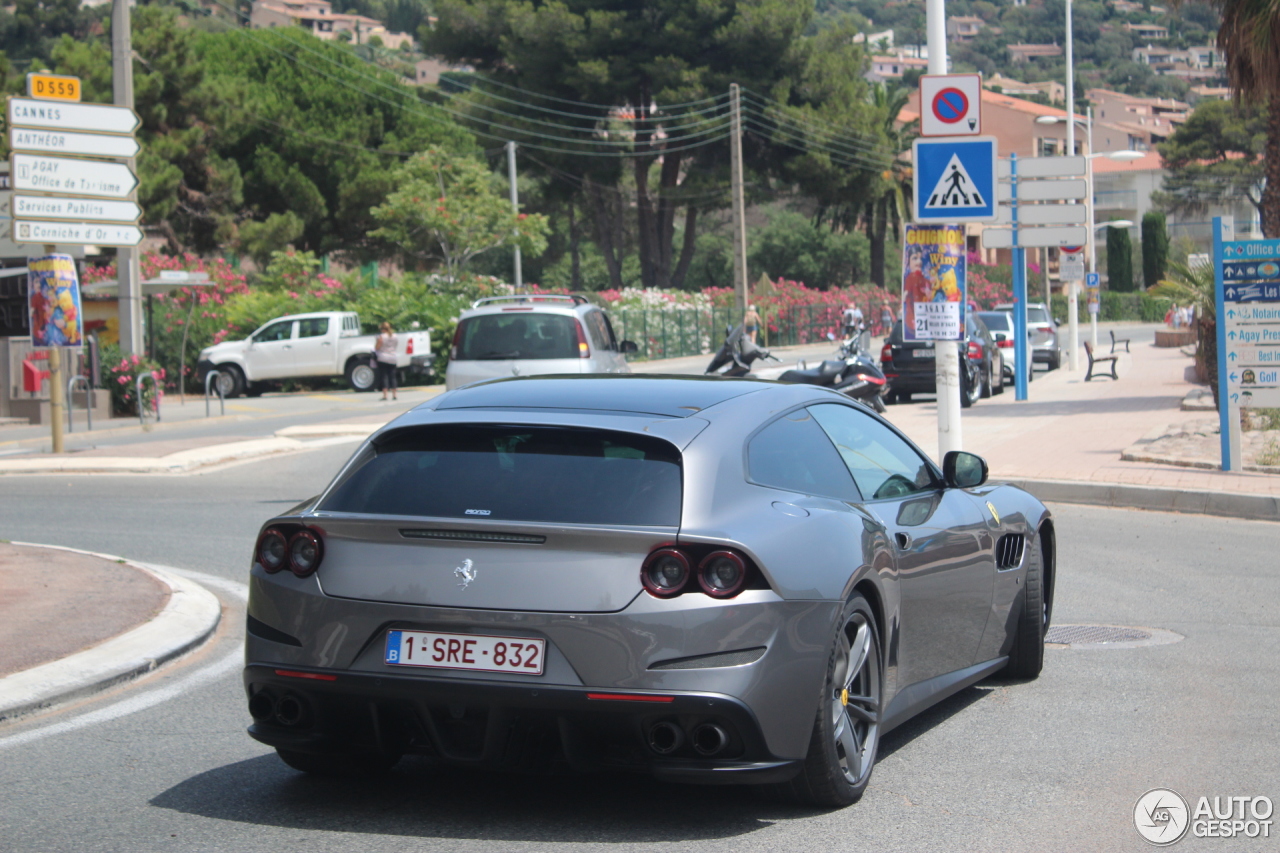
x=465, y=573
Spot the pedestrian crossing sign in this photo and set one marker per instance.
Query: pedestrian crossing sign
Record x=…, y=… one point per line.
x=955, y=179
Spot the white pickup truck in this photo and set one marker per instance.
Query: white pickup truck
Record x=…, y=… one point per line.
x=298, y=346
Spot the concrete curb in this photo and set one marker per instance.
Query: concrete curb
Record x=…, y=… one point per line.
x=182, y=462
x=190, y=617
x=1163, y=499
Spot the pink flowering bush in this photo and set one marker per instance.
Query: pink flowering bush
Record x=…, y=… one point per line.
x=120, y=375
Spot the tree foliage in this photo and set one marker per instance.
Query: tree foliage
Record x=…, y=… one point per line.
x=1119, y=260
x=1155, y=247
x=448, y=209
x=1214, y=159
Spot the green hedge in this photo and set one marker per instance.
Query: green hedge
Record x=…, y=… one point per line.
x=1118, y=306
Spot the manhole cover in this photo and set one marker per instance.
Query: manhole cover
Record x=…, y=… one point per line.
x=1108, y=636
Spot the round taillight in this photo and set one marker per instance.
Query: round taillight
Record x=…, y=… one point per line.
x=305, y=553
x=722, y=574
x=665, y=572
x=273, y=550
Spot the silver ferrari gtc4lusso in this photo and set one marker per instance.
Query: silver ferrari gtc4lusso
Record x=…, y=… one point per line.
x=703, y=579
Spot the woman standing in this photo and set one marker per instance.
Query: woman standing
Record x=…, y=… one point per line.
x=385, y=353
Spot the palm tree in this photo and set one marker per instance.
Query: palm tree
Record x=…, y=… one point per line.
x=886, y=205
x=1188, y=284
x=1250, y=39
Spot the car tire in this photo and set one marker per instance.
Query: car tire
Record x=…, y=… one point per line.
x=360, y=376
x=902, y=396
x=1026, y=658
x=988, y=384
x=999, y=389
x=230, y=380
x=970, y=390
x=1055, y=359
x=846, y=733
x=341, y=764
x=877, y=403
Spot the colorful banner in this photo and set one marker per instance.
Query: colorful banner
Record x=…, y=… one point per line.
x=933, y=283
x=53, y=290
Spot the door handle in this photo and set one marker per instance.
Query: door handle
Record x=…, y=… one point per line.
x=903, y=540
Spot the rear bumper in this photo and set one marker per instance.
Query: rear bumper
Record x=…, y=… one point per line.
x=505, y=726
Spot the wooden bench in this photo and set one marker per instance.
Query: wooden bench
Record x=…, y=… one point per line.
x=1117, y=341
x=1099, y=359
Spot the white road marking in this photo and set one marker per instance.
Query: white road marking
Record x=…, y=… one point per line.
x=149, y=699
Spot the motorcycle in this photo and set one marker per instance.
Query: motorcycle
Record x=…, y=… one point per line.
x=854, y=374
x=737, y=354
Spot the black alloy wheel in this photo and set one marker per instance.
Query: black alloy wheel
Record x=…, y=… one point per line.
x=846, y=733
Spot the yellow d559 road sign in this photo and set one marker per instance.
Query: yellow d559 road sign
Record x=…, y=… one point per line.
x=53, y=86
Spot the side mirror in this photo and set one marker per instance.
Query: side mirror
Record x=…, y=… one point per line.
x=1000, y=337
x=628, y=347
x=964, y=470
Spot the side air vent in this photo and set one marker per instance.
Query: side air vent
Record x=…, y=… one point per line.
x=474, y=536
x=1009, y=550
x=740, y=657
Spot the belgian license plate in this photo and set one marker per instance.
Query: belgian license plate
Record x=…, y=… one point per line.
x=481, y=652
x=922, y=353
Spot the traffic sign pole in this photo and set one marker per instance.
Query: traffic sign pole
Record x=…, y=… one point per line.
x=128, y=273
x=946, y=357
x=1021, y=355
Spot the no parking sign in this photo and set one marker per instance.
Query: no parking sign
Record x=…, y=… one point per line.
x=951, y=105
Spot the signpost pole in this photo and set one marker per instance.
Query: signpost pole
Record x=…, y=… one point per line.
x=127, y=269
x=1091, y=242
x=1021, y=356
x=1228, y=412
x=56, y=403
x=946, y=354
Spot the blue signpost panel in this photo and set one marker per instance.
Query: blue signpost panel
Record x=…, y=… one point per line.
x=955, y=179
x=1247, y=275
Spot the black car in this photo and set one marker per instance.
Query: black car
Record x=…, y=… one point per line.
x=909, y=365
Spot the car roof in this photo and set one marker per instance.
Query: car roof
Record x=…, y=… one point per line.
x=669, y=396
x=538, y=304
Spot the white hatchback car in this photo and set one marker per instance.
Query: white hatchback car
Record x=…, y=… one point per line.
x=531, y=334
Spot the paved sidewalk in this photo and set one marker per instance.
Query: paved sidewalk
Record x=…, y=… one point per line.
x=73, y=623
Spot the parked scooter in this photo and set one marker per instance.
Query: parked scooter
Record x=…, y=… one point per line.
x=737, y=354
x=854, y=374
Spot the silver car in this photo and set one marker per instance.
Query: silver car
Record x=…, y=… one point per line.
x=701, y=579
x=1042, y=330
x=532, y=334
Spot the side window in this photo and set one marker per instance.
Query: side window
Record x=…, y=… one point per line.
x=314, y=327
x=281, y=331
x=882, y=464
x=600, y=338
x=608, y=325
x=793, y=453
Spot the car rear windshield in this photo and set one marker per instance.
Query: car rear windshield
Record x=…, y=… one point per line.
x=518, y=473
x=523, y=334
x=997, y=321
x=1037, y=315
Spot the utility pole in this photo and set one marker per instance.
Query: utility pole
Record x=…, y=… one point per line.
x=740, y=299
x=1073, y=310
x=129, y=276
x=946, y=355
x=515, y=206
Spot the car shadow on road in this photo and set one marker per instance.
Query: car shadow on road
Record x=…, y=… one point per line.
x=423, y=799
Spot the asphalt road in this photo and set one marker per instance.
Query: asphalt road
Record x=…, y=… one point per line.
x=1056, y=764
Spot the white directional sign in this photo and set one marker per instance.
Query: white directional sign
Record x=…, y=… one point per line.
x=67, y=142
x=82, y=209
x=1044, y=167
x=76, y=232
x=1030, y=238
x=60, y=115
x=955, y=180
x=34, y=172
x=1043, y=190
x=951, y=105
x=1070, y=265
x=1045, y=214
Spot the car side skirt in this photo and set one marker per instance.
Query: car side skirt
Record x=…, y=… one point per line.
x=919, y=696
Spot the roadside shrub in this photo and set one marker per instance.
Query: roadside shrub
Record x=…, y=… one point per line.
x=120, y=375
